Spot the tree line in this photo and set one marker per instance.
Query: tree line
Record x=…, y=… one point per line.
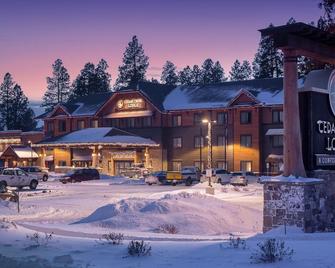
x=15, y=112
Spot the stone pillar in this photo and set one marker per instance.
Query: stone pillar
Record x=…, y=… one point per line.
x=42, y=157
x=95, y=157
x=293, y=163
x=147, y=158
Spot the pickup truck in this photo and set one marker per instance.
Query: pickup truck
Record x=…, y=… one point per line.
x=187, y=175
x=15, y=177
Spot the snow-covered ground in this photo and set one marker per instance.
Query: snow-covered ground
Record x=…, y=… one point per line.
x=78, y=214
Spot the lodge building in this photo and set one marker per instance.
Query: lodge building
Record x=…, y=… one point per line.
x=161, y=126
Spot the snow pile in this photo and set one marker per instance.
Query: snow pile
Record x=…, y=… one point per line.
x=190, y=213
x=289, y=179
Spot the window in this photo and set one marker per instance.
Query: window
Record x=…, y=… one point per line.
x=20, y=173
x=221, y=165
x=245, y=117
x=199, y=165
x=277, y=116
x=176, y=165
x=147, y=121
x=221, y=141
x=61, y=163
x=176, y=120
x=198, y=141
x=130, y=122
x=114, y=122
x=246, y=140
x=177, y=142
x=50, y=126
x=80, y=124
x=94, y=123
x=222, y=118
x=197, y=119
x=9, y=172
x=246, y=166
x=277, y=141
x=61, y=125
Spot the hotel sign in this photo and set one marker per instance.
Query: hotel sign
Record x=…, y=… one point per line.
x=130, y=104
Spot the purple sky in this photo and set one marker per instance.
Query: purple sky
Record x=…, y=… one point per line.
x=36, y=32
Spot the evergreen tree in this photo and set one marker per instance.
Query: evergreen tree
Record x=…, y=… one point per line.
x=14, y=107
x=268, y=61
x=196, y=75
x=235, y=72
x=327, y=21
x=58, y=88
x=91, y=80
x=185, y=76
x=134, y=66
x=169, y=75
x=246, y=70
x=207, y=71
x=218, y=75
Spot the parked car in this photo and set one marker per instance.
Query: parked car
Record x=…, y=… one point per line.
x=15, y=177
x=242, y=178
x=135, y=171
x=41, y=173
x=218, y=176
x=81, y=174
x=158, y=177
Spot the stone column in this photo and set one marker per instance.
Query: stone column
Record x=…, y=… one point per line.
x=95, y=157
x=42, y=157
x=147, y=157
x=293, y=163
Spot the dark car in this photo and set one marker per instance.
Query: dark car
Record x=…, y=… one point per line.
x=82, y=174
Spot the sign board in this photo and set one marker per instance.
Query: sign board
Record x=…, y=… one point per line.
x=130, y=104
x=317, y=118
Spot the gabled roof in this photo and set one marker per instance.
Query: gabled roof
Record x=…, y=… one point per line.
x=266, y=91
x=98, y=136
x=22, y=152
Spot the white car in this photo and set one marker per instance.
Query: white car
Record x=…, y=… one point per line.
x=242, y=178
x=15, y=177
x=219, y=176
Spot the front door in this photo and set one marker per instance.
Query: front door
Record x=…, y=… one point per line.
x=121, y=166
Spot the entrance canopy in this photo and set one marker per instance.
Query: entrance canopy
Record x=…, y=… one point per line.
x=19, y=152
x=98, y=136
x=305, y=39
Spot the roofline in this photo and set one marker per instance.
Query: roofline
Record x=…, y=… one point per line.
x=58, y=105
x=74, y=144
x=239, y=93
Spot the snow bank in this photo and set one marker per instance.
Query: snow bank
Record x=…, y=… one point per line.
x=190, y=213
x=289, y=179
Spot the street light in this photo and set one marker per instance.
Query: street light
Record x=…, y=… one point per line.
x=31, y=152
x=209, y=143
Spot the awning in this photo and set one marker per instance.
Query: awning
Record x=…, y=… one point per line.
x=49, y=158
x=129, y=114
x=274, y=158
x=275, y=132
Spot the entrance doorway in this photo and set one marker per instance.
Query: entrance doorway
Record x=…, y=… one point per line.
x=121, y=166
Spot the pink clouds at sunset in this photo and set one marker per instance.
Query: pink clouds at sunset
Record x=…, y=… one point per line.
x=35, y=33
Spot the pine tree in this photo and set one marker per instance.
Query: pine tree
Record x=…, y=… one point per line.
x=207, y=71
x=169, y=75
x=196, y=75
x=185, y=76
x=268, y=61
x=218, y=75
x=235, y=72
x=103, y=77
x=134, y=66
x=58, y=88
x=91, y=80
x=327, y=20
x=14, y=107
x=246, y=70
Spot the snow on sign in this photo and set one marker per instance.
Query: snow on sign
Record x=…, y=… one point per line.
x=331, y=89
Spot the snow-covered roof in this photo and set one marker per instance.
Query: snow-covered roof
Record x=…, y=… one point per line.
x=96, y=136
x=21, y=152
x=265, y=91
x=275, y=132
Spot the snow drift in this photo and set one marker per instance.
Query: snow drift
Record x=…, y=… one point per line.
x=190, y=213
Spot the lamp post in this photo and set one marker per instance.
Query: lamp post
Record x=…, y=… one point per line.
x=31, y=152
x=209, y=151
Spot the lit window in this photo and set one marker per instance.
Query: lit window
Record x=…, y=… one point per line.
x=177, y=142
x=80, y=124
x=176, y=120
x=94, y=123
x=198, y=141
x=221, y=165
x=246, y=166
x=197, y=119
x=176, y=165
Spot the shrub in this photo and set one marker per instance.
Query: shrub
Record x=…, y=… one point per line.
x=39, y=241
x=271, y=251
x=237, y=242
x=167, y=229
x=6, y=224
x=139, y=248
x=111, y=239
